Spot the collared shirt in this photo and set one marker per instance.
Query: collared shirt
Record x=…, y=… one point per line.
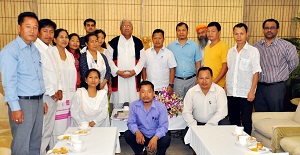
x=151, y=122
x=209, y=108
x=277, y=60
x=50, y=69
x=214, y=57
x=158, y=66
x=186, y=56
x=21, y=72
x=241, y=68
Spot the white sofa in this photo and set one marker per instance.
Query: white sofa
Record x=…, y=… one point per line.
x=264, y=124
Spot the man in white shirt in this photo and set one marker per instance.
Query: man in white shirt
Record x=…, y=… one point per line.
x=51, y=80
x=126, y=64
x=160, y=64
x=243, y=62
x=205, y=103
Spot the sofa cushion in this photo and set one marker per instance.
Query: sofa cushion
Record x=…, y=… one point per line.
x=5, y=151
x=289, y=144
x=266, y=126
x=297, y=115
x=296, y=151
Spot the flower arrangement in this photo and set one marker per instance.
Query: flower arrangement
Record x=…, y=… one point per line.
x=173, y=102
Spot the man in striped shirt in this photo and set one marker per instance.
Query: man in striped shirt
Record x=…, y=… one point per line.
x=278, y=58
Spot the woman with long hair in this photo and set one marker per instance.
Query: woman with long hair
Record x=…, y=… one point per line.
x=89, y=104
x=74, y=48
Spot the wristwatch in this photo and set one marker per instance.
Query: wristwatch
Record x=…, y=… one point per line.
x=171, y=85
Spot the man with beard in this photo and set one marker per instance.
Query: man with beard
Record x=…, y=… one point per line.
x=278, y=58
x=202, y=38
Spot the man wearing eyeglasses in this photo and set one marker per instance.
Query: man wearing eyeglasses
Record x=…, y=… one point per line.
x=124, y=60
x=278, y=58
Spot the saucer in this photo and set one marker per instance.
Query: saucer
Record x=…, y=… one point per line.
x=50, y=152
x=64, y=137
x=88, y=129
x=251, y=139
x=239, y=144
x=243, y=134
x=254, y=149
x=82, y=149
x=82, y=132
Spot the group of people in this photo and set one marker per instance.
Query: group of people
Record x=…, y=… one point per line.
x=49, y=88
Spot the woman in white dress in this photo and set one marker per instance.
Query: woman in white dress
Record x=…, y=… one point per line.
x=90, y=104
x=68, y=76
x=92, y=58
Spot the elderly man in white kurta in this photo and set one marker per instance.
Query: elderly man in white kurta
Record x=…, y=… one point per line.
x=160, y=64
x=126, y=64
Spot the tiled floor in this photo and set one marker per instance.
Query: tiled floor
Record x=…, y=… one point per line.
x=176, y=148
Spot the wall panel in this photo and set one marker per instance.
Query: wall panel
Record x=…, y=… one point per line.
x=256, y=11
x=148, y=15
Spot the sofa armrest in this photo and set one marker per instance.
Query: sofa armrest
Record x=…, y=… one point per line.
x=281, y=132
x=278, y=115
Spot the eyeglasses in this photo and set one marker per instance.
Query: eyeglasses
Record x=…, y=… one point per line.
x=125, y=26
x=270, y=28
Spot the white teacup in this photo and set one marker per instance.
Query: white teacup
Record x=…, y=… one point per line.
x=239, y=130
x=77, y=145
x=243, y=140
x=84, y=125
x=75, y=138
x=126, y=108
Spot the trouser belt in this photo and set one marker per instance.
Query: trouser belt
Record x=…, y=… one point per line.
x=38, y=97
x=269, y=84
x=186, y=77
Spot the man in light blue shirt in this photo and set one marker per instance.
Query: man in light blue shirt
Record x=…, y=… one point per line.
x=23, y=84
x=188, y=59
x=147, y=123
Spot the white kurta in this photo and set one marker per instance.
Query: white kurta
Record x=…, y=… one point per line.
x=126, y=61
x=100, y=65
x=68, y=74
x=87, y=109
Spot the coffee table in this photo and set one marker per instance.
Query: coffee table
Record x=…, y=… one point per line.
x=216, y=140
x=100, y=141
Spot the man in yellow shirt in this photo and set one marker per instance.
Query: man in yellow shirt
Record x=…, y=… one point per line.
x=215, y=54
